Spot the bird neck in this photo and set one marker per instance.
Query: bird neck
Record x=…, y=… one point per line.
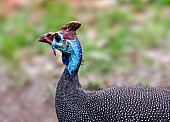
x=68, y=85
x=68, y=92
x=68, y=81
x=73, y=59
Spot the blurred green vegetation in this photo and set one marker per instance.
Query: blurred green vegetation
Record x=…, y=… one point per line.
x=145, y=25
x=93, y=86
x=24, y=28
x=120, y=32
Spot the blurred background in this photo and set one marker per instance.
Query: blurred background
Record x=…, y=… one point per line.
x=125, y=42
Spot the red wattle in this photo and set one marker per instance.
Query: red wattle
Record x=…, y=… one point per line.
x=54, y=52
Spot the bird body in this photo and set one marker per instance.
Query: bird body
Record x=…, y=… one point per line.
x=116, y=104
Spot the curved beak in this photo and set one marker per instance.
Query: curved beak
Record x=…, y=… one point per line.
x=47, y=38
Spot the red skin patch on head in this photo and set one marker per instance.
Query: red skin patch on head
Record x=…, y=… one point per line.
x=71, y=35
x=47, y=38
x=68, y=31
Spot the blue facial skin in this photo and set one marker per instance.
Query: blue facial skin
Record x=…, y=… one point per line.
x=57, y=43
x=71, y=52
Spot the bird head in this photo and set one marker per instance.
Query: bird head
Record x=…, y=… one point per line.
x=62, y=39
x=66, y=41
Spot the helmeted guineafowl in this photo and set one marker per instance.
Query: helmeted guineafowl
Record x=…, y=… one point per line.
x=116, y=104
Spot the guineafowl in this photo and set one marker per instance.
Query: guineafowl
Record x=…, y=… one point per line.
x=116, y=104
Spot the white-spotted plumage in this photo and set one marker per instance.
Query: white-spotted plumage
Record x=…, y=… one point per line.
x=116, y=104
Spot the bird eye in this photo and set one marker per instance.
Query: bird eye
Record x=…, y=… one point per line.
x=57, y=38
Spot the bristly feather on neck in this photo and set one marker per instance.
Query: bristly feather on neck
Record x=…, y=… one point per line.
x=73, y=60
